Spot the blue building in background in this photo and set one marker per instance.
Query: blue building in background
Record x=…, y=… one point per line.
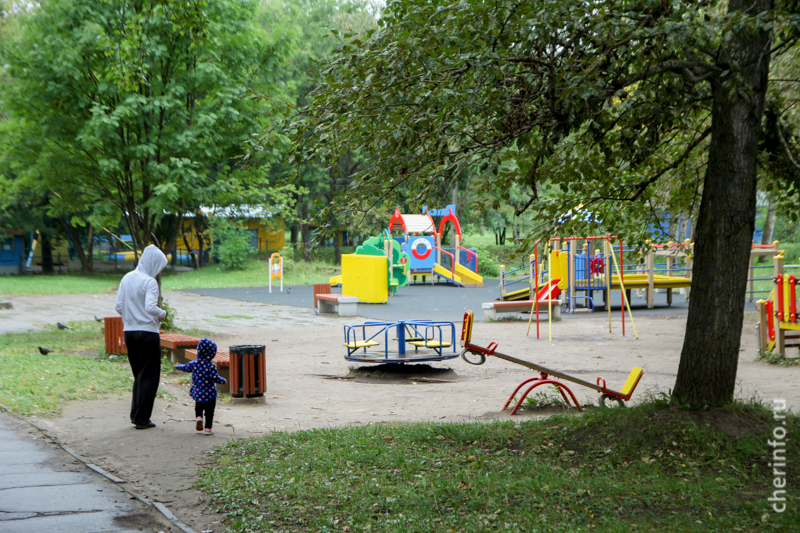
x=12, y=253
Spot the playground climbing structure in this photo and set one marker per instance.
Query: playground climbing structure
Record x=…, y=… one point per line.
x=427, y=254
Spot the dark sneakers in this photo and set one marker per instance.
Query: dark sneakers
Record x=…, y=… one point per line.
x=148, y=425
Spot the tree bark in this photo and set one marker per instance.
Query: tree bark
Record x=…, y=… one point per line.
x=47, y=252
x=769, y=226
x=304, y=236
x=72, y=235
x=172, y=243
x=192, y=255
x=199, y=227
x=337, y=249
x=293, y=232
x=709, y=359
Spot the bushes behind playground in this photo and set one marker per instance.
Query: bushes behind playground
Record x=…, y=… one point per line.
x=654, y=467
x=488, y=265
x=232, y=243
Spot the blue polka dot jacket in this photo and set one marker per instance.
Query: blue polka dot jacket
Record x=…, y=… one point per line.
x=204, y=372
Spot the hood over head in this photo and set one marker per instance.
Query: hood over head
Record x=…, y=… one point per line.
x=152, y=261
x=206, y=349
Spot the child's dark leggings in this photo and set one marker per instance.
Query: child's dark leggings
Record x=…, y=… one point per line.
x=208, y=407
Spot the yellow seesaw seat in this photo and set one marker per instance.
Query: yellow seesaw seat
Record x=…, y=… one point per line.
x=631, y=382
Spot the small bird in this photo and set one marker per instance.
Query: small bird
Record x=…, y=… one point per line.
x=61, y=326
x=44, y=351
x=288, y=290
x=97, y=319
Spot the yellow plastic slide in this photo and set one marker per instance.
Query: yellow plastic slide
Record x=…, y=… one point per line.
x=463, y=275
x=468, y=277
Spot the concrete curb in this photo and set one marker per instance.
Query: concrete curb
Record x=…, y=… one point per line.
x=159, y=506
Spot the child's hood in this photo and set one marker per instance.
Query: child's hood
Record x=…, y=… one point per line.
x=206, y=350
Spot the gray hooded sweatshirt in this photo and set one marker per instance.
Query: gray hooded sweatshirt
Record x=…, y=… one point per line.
x=137, y=298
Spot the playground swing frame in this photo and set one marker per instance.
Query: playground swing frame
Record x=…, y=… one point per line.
x=544, y=377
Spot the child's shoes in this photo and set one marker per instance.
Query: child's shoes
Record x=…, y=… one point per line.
x=208, y=431
x=199, y=425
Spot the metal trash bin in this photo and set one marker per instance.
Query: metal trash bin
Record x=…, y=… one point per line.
x=248, y=370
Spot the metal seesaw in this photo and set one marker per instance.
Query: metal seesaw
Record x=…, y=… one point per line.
x=544, y=373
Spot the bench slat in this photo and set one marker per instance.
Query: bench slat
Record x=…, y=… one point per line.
x=222, y=359
x=330, y=297
x=174, y=341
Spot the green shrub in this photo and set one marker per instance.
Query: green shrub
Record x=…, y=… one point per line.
x=488, y=266
x=231, y=243
x=168, y=323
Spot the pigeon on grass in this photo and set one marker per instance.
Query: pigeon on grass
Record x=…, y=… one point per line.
x=97, y=319
x=44, y=351
x=61, y=326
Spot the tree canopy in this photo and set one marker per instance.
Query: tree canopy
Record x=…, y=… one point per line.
x=135, y=106
x=630, y=107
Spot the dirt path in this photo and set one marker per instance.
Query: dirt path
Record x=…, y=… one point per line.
x=162, y=463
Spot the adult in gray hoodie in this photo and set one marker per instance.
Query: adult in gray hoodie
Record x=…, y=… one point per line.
x=137, y=302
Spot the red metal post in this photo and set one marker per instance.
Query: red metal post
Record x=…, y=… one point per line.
x=536, y=283
x=621, y=289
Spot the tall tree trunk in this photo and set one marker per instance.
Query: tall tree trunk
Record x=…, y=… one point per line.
x=198, y=230
x=47, y=252
x=293, y=233
x=769, y=226
x=191, y=253
x=177, y=231
x=304, y=236
x=90, y=246
x=72, y=235
x=337, y=249
x=707, y=370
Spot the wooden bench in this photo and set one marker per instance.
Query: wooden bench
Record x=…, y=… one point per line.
x=330, y=303
x=321, y=288
x=223, y=362
x=177, y=344
x=492, y=309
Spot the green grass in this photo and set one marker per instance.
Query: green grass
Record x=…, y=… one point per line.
x=777, y=359
x=35, y=285
x=651, y=468
x=255, y=274
x=78, y=369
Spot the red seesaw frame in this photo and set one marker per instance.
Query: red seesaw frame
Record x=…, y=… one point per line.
x=544, y=373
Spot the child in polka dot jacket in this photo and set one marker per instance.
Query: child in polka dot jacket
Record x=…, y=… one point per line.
x=203, y=391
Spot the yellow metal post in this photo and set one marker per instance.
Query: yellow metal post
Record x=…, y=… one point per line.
x=625, y=295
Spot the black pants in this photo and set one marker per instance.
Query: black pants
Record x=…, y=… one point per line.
x=144, y=355
x=208, y=407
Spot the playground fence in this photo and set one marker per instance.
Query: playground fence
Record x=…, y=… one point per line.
x=448, y=260
x=468, y=258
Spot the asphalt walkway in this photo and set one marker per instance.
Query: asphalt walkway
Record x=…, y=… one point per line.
x=43, y=488
x=437, y=301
